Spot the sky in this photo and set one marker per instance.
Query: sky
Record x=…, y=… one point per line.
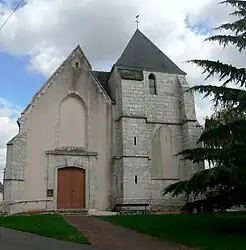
x=42, y=33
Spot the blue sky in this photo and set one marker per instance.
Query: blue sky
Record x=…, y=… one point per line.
x=199, y=28
x=17, y=86
x=17, y=83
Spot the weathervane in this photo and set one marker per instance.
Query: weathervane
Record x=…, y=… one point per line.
x=137, y=21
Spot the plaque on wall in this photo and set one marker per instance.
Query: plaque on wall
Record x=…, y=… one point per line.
x=50, y=192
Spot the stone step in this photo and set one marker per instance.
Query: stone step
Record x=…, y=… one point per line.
x=78, y=212
x=101, y=213
x=71, y=214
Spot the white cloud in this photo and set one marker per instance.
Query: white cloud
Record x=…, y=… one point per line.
x=48, y=30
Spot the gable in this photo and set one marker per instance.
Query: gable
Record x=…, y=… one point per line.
x=76, y=51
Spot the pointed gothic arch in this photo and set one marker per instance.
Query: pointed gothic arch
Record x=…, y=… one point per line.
x=73, y=121
x=164, y=163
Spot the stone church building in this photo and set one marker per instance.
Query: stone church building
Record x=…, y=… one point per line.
x=91, y=139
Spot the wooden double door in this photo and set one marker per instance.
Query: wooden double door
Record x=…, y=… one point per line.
x=71, y=188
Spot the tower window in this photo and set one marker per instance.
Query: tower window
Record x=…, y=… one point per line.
x=152, y=84
x=136, y=179
x=135, y=140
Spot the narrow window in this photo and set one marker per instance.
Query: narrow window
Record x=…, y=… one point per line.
x=136, y=179
x=76, y=65
x=135, y=140
x=152, y=84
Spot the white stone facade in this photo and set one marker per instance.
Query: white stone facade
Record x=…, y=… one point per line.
x=123, y=138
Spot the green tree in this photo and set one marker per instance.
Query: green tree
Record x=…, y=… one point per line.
x=223, y=139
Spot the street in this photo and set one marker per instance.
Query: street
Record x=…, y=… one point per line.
x=13, y=240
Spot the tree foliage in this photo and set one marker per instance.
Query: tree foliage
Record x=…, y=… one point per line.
x=223, y=139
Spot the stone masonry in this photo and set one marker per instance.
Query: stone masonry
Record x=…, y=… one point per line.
x=140, y=116
x=124, y=135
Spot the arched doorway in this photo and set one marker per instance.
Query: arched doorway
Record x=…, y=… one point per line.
x=71, y=188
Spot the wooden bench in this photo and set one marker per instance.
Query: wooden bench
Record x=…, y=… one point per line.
x=132, y=207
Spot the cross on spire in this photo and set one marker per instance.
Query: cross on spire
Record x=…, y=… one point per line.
x=137, y=21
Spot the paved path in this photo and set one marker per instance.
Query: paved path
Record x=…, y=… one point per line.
x=15, y=240
x=110, y=237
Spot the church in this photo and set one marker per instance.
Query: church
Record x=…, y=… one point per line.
x=91, y=139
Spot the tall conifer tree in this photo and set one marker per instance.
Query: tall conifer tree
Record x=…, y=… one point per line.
x=224, y=134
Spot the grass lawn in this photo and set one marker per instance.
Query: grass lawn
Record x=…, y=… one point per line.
x=53, y=226
x=210, y=232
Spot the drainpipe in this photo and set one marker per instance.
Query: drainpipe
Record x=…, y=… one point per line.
x=47, y=181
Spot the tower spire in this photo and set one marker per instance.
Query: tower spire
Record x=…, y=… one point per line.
x=137, y=20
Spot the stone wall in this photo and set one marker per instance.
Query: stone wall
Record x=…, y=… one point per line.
x=16, y=156
x=26, y=206
x=141, y=116
x=163, y=107
x=41, y=122
x=15, y=169
x=191, y=129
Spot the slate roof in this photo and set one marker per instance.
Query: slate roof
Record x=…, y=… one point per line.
x=102, y=77
x=141, y=53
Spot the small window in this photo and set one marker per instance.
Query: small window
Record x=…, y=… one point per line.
x=152, y=84
x=77, y=65
x=136, y=179
x=135, y=140
x=50, y=192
